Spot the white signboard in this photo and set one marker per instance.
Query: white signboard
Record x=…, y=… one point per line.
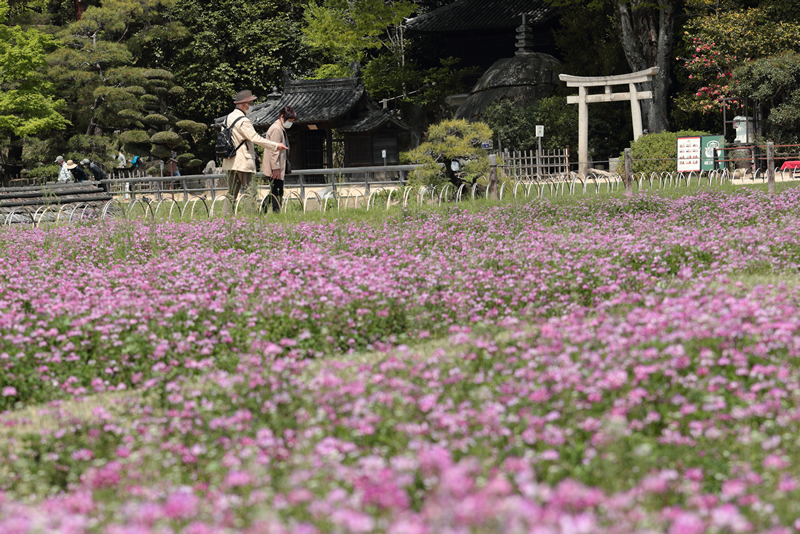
x=487, y=145
x=689, y=154
x=540, y=130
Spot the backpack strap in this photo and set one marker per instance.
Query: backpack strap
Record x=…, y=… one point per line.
x=237, y=119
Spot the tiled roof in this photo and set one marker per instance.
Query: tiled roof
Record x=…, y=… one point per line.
x=313, y=100
x=481, y=14
x=371, y=122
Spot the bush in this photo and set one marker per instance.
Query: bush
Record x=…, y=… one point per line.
x=183, y=159
x=170, y=139
x=658, y=152
x=45, y=173
x=194, y=128
x=160, y=151
x=155, y=119
x=134, y=136
x=448, y=141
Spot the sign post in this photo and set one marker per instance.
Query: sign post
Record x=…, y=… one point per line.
x=539, y=135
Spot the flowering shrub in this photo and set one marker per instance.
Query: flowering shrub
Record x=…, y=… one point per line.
x=717, y=43
x=597, y=369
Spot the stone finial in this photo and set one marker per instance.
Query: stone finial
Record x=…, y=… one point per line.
x=524, y=37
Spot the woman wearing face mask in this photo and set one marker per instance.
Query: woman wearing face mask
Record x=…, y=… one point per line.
x=275, y=164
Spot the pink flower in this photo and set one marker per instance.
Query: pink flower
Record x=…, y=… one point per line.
x=427, y=402
x=181, y=505
x=9, y=391
x=82, y=455
x=687, y=523
x=237, y=479
x=773, y=461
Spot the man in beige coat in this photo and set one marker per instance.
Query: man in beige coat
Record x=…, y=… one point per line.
x=241, y=167
x=274, y=165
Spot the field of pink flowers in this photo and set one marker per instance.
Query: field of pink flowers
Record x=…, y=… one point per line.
x=595, y=366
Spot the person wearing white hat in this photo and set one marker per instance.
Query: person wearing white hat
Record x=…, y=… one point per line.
x=241, y=167
x=63, y=173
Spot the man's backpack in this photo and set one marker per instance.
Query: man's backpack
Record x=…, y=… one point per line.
x=135, y=162
x=225, y=148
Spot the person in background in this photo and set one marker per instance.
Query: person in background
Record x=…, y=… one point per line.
x=77, y=172
x=274, y=166
x=241, y=167
x=96, y=172
x=121, y=161
x=63, y=173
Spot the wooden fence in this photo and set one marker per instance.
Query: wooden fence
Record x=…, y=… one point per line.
x=526, y=165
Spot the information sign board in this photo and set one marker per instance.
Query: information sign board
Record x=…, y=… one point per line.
x=689, y=154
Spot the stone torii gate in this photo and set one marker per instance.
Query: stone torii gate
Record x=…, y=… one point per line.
x=584, y=99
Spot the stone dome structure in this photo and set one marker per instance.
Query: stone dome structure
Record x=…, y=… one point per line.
x=524, y=78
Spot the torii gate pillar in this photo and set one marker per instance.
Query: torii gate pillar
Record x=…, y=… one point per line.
x=584, y=99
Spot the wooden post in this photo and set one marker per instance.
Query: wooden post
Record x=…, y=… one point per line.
x=628, y=172
x=539, y=158
x=492, y=175
x=636, y=112
x=583, y=132
x=770, y=167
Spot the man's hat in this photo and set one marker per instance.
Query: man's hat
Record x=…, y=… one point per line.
x=85, y=161
x=70, y=165
x=243, y=97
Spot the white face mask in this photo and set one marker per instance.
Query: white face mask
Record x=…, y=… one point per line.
x=287, y=124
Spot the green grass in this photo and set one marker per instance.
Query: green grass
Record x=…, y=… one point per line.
x=378, y=214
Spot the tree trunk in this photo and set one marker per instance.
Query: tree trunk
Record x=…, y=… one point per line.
x=92, y=127
x=647, y=40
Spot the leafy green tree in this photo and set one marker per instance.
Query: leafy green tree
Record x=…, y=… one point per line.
x=115, y=98
x=370, y=33
x=775, y=82
x=94, y=68
x=231, y=45
x=449, y=141
x=720, y=39
x=27, y=106
x=347, y=30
